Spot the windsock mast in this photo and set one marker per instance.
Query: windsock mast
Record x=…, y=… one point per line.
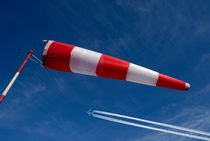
x=30, y=53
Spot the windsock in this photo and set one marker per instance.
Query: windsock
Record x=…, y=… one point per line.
x=69, y=58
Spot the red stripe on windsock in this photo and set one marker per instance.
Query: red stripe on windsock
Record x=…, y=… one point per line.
x=111, y=67
x=169, y=82
x=58, y=57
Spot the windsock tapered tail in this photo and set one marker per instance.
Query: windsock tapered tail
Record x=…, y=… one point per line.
x=70, y=58
x=30, y=53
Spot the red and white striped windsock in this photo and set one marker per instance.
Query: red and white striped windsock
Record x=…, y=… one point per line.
x=70, y=58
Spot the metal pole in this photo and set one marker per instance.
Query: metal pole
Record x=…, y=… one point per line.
x=30, y=53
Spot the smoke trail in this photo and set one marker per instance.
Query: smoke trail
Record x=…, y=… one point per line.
x=105, y=115
x=151, y=128
x=155, y=123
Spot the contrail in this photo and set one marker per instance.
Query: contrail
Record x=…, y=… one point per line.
x=153, y=122
x=94, y=114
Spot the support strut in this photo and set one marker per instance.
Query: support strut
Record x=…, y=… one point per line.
x=30, y=53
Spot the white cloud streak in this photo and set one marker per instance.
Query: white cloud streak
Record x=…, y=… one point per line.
x=148, y=127
x=153, y=122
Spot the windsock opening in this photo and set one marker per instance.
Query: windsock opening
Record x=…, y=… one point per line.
x=56, y=56
x=172, y=83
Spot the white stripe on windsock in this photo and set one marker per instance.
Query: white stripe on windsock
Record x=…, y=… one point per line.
x=142, y=75
x=84, y=61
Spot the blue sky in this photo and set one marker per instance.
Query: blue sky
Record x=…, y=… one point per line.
x=171, y=37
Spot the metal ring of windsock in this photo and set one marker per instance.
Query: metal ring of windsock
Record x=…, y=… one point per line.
x=69, y=58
